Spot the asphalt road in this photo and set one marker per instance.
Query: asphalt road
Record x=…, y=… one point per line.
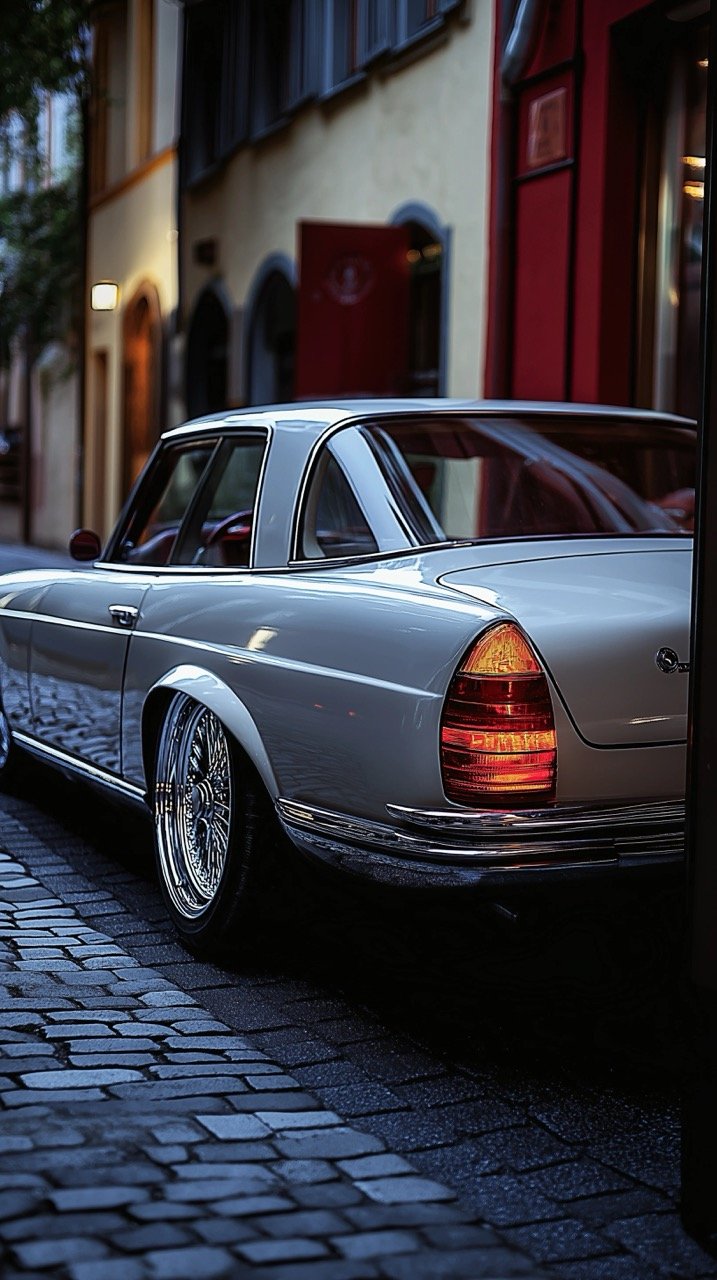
x=534, y=1065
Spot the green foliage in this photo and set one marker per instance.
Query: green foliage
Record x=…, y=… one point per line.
x=42, y=46
x=40, y=263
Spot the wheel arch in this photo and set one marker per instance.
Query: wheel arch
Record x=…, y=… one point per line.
x=204, y=687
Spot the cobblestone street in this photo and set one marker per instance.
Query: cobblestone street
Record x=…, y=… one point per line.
x=379, y=1091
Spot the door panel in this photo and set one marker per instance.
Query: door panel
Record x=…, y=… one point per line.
x=79, y=649
x=353, y=310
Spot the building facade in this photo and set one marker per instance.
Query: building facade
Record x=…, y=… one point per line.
x=131, y=246
x=39, y=374
x=334, y=198
x=597, y=197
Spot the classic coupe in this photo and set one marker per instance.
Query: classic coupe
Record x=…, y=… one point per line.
x=433, y=642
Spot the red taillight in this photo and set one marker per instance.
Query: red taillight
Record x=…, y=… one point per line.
x=498, y=733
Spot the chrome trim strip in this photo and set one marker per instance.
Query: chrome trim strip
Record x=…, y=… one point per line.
x=28, y=616
x=90, y=772
x=575, y=835
x=562, y=820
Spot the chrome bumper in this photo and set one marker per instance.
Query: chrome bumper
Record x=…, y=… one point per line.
x=466, y=846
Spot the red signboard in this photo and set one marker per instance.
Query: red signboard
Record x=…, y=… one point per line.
x=353, y=310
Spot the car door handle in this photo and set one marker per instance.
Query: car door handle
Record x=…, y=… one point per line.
x=125, y=615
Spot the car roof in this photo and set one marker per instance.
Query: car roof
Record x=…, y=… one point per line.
x=313, y=418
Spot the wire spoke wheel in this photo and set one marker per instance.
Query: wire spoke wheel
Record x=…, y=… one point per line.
x=194, y=797
x=5, y=739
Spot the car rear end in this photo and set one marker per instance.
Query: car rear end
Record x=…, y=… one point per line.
x=558, y=738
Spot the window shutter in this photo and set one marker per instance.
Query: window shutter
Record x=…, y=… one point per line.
x=305, y=51
x=376, y=29
x=235, y=108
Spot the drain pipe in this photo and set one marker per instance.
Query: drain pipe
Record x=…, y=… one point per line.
x=522, y=40
x=524, y=26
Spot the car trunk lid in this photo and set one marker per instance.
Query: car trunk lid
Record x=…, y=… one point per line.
x=598, y=622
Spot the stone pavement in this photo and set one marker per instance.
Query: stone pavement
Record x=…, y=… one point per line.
x=140, y=1137
x=17, y=555
x=577, y=1168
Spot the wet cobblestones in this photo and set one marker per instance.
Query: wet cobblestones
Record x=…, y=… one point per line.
x=92, y=1186
x=383, y=1158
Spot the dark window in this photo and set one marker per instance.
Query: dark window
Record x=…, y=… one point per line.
x=272, y=343
x=342, y=42
x=237, y=72
x=216, y=82
x=333, y=523
x=355, y=33
x=376, y=28
x=249, y=64
x=204, y=80
x=425, y=257
x=305, y=51
x=507, y=477
x=417, y=18
x=218, y=528
x=207, y=356
x=271, y=63
x=150, y=533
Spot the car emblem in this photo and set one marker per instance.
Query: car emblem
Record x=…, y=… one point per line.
x=668, y=661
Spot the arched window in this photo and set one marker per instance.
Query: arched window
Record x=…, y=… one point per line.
x=428, y=296
x=271, y=334
x=142, y=369
x=207, y=354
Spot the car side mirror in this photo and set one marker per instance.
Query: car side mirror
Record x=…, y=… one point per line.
x=85, y=545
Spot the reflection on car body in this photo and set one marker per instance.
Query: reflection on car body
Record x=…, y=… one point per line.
x=419, y=638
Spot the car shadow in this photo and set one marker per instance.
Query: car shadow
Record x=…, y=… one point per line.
x=587, y=983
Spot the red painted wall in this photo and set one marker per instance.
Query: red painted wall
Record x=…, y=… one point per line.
x=572, y=237
x=540, y=316
x=604, y=284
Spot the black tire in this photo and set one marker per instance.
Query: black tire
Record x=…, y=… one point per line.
x=213, y=832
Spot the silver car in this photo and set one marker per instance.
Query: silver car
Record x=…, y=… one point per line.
x=432, y=642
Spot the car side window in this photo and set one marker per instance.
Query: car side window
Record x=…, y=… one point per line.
x=217, y=531
x=163, y=499
x=333, y=523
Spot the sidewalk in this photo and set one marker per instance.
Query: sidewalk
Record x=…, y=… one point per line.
x=142, y=1138
x=17, y=555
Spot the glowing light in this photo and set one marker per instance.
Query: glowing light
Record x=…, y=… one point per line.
x=694, y=162
x=104, y=295
x=695, y=190
x=501, y=651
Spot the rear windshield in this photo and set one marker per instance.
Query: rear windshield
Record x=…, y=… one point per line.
x=480, y=477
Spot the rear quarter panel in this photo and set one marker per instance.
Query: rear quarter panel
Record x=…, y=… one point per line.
x=344, y=677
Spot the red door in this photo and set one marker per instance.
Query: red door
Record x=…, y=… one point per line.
x=353, y=310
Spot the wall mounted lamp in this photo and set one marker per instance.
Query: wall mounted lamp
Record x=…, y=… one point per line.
x=104, y=296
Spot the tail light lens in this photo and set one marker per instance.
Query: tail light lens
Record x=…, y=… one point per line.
x=498, y=733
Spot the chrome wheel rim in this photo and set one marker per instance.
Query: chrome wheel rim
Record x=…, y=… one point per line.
x=193, y=806
x=5, y=739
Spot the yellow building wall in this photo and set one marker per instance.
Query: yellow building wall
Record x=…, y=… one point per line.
x=132, y=241
x=417, y=132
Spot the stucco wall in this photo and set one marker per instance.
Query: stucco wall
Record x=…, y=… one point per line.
x=166, y=72
x=54, y=447
x=132, y=240
x=418, y=133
